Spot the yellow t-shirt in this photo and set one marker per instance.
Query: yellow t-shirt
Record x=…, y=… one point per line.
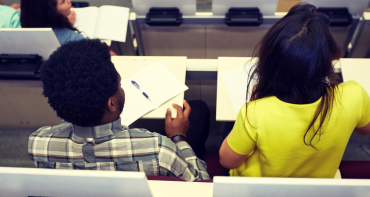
x=274, y=138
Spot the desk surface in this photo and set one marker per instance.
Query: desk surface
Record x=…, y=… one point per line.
x=22, y=103
x=358, y=70
x=128, y=65
x=181, y=189
x=22, y=106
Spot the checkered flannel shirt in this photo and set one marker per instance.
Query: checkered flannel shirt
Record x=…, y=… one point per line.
x=114, y=147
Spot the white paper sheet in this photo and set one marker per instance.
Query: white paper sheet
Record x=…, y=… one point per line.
x=107, y=22
x=236, y=81
x=86, y=20
x=357, y=70
x=112, y=23
x=157, y=82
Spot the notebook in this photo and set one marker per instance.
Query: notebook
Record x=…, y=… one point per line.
x=236, y=81
x=157, y=82
x=107, y=22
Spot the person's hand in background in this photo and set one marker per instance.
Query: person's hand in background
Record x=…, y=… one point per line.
x=112, y=53
x=15, y=5
x=72, y=17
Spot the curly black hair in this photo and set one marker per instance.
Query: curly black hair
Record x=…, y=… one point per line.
x=78, y=80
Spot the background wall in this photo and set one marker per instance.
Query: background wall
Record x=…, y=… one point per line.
x=202, y=5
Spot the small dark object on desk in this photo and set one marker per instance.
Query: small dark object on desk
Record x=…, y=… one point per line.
x=20, y=66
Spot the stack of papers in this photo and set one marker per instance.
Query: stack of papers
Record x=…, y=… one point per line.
x=236, y=81
x=158, y=83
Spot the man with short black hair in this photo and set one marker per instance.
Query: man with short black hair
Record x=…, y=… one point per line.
x=83, y=87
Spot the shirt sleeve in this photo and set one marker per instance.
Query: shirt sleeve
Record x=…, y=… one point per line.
x=78, y=36
x=179, y=160
x=15, y=20
x=365, y=117
x=242, y=139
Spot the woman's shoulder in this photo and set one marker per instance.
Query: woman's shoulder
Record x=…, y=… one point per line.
x=351, y=87
x=350, y=84
x=65, y=35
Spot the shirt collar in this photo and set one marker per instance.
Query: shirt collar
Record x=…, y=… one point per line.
x=100, y=130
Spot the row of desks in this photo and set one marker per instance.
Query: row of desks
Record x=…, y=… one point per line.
x=61, y=182
x=23, y=106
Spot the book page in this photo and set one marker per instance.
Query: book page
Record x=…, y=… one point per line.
x=112, y=23
x=236, y=81
x=86, y=20
x=159, y=83
x=136, y=105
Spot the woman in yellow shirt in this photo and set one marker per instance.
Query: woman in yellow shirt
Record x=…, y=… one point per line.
x=298, y=124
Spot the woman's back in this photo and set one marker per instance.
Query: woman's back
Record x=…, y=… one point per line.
x=274, y=135
x=300, y=121
x=65, y=35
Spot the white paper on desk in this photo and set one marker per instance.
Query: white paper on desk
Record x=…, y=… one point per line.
x=357, y=72
x=106, y=22
x=236, y=81
x=157, y=82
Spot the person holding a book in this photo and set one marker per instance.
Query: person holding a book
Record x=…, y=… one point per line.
x=9, y=16
x=51, y=13
x=84, y=88
x=297, y=123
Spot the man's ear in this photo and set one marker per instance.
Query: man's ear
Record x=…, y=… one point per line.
x=112, y=104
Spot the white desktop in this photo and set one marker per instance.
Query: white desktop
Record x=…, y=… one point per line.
x=289, y=187
x=41, y=41
x=52, y=182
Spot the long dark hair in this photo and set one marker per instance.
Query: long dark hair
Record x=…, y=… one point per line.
x=295, y=61
x=42, y=13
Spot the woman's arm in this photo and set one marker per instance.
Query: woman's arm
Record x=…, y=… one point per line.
x=228, y=158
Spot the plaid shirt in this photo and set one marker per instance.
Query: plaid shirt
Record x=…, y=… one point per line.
x=114, y=147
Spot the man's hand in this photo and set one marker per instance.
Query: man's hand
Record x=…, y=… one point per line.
x=72, y=18
x=181, y=123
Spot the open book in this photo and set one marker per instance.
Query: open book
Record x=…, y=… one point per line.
x=236, y=81
x=159, y=85
x=107, y=22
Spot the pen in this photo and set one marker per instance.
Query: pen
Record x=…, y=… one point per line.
x=138, y=87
